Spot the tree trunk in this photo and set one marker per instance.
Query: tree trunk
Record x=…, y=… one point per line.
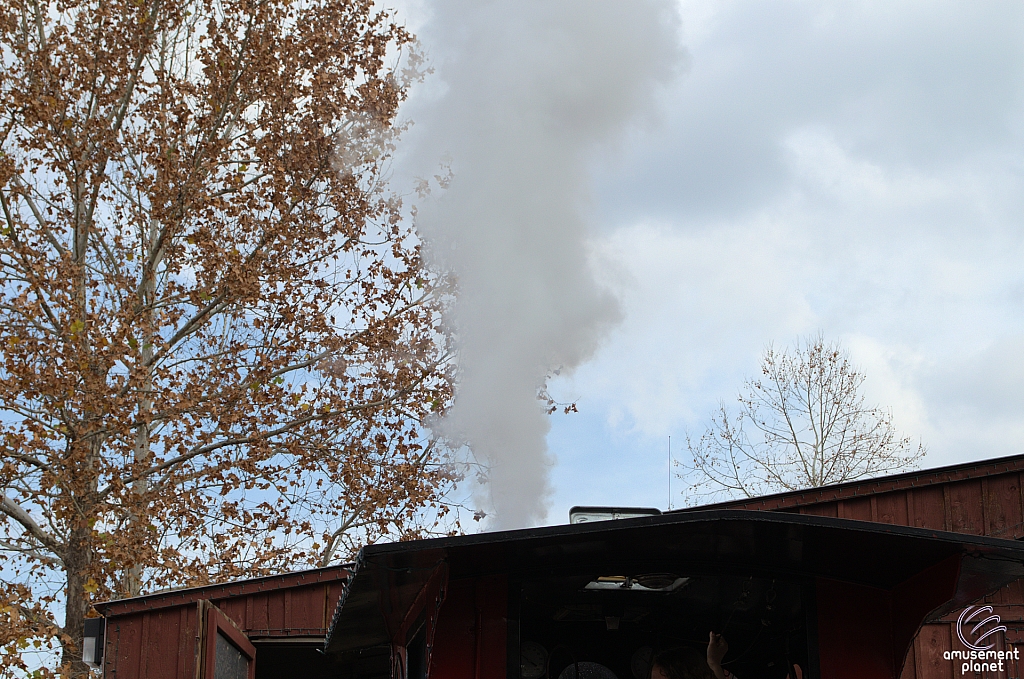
x=76, y=563
x=143, y=452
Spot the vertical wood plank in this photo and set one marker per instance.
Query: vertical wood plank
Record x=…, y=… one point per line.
x=287, y=608
x=144, y=646
x=1020, y=494
x=929, y=507
x=892, y=509
x=947, y=519
x=964, y=507
x=909, y=665
x=985, y=499
x=935, y=640
x=1002, y=507
x=859, y=509
x=183, y=664
x=911, y=517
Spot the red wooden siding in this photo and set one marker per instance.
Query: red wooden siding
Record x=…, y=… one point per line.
x=979, y=499
x=154, y=644
x=294, y=612
x=848, y=648
x=156, y=637
x=472, y=634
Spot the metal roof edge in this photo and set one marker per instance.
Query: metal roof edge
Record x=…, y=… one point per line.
x=354, y=571
x=695, y=516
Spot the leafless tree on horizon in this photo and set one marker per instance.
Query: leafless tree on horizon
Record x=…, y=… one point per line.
x=802, y=423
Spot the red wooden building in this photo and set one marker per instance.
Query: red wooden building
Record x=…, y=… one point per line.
x=859, y=581
x=166, y=635
x=977, y=498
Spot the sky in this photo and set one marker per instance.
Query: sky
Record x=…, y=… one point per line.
x=730, y=174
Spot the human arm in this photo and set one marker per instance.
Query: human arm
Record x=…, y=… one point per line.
x=717, y=648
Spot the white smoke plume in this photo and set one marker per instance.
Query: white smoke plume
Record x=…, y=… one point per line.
x=530, y=92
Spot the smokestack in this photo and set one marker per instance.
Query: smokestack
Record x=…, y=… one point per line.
x=533, y=90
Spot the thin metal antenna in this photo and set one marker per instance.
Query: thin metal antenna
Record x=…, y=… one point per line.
x=670, y=473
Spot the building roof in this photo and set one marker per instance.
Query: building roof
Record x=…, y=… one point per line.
x=188, y=595
x=872, y=486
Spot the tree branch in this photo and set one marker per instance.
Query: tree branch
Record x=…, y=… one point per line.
x=16, y=512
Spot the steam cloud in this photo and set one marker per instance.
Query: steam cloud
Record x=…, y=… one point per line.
x=532, y=91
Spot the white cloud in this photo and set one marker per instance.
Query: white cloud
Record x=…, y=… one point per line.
x=915, y=268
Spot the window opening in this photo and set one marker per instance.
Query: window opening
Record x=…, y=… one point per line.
x=611, y=625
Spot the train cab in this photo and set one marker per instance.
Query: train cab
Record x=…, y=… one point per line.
x=832, y=597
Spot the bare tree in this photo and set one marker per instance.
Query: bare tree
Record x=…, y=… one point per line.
x=218, y=341
x=802, y=423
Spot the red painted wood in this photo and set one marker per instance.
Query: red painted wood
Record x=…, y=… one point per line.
x=892, y=509
x=965, y=507
x=1003, y=511
x=454, y=650
x=306, y=605
x=225, y=591
x=824, y=509
x=910, y=666
x=472, y=631
x=857, y=508
x=186, y=642
x=913, y=600
x=854, y=635
x=164, y=634
x=217, y=623
x=878, y=486
x=158, y=645
x=159, y=642
x=275, y=611
x=930, y=508
x=332, y=596
x=234, y=609
x=932, y=642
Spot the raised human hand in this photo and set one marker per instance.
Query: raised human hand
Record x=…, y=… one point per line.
x=717, y=648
